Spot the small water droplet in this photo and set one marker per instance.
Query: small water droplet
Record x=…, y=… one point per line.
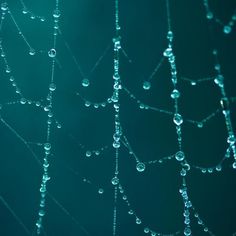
x=85, y=82
x=146, y=85
x=178, y=120
x=227, y=29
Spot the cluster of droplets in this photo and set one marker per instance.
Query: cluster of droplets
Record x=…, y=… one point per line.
x=95, y=105
x=29, y=13
x=216, y=168
x=4, y=10
x=175, y=94
x=48, y=109
x=227, y=28
x=96, y=152
x=224, y=102
x=115, y=99
x=187, y=206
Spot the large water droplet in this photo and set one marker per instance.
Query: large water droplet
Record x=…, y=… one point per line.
x=179, y=156
x=140, y=166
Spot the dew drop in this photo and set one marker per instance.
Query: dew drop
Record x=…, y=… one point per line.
x=47, y=146
x=138, y=221
x=168, y=52
x=179, y=156
x=4, y=6
x=234, y=165
x=52, y=87
x=56, y=13
x=23, y=101
x=178, y=120
x=187, y=231
x=146, y=85
x=115, y=180
x=32, y=52
x=209, y=15
x=85, y=83
x=100, y=190
x=140, y=167
x=175, y=94
x=88, y=154
x=52, y=53
x=227, y=29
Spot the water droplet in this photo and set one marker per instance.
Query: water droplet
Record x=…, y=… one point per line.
x=227, y=29
x=116, y=42
x=52, y=53
x=47, y=146
x=85, y=83
x=199, y=124
x=88, y=154
x=4, y=6
x=146, y=230
x=170, y=35
x=100, y=190
x=209, y=15
x=231, y=139
x=178, y=120
x=116, y=144
x=8, y=69
x=219, y=80
x=47, y=108
x=187, y=231
x=140, y=167
x=87, y=103
x=56, y=13
x=146, y=85
x=32, y=52
x=234, y=165
x=50, y=114
x=116, y=137
x=23, y=101
x=116, y=76
x=193, y=83
x=32, y=17
x=168, y=52
x=97, y=153
x=115, y=180
x=179, y=156
x=52, y=87
x=219, y=168
x=25, y=11
x=175, y=94
x=130, y=212
x=138, y=221
x=183, y=172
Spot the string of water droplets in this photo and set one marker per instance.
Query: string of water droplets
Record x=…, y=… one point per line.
x=47, y=146
x=118, y=137
x=228, y=27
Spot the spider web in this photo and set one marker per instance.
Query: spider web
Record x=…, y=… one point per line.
x=169, y=172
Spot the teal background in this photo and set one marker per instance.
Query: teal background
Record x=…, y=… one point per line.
x=88, y=27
